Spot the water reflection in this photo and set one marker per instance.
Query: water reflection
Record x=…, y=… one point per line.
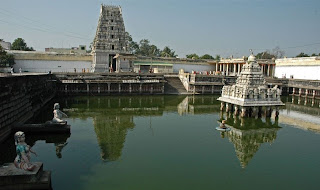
x=248, y=134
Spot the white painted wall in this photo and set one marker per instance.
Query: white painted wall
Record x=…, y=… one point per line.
x=42, y=66
x=299, y=72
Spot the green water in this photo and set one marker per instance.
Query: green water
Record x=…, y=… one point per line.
x=170, y=142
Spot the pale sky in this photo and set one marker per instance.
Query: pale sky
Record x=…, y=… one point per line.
x=224, y=27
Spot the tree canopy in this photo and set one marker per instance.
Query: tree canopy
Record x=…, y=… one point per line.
x=20, y=44
x=193, y=56
x=302, y=55
x=207, y=56
x=275, y=53
x=167, y=52
x=5, y=59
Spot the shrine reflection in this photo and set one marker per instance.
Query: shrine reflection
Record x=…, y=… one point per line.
x=248, y=134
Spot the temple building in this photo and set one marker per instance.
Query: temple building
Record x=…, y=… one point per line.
x=110, y=39
x=233, y=66
x=250, y=93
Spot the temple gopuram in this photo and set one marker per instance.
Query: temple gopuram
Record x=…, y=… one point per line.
x=251, y=96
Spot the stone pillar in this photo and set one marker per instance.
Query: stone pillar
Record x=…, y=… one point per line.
x=243, y=112
x=88, y=88
x=293, y=90
x=130, y=88
x=227, y=107
x=163, y=89
x=273, y=70
x=227, y=73
x=98, y=88
x=202, y=89
x=66, y=88
x=236, y=110
x=300, y=91
x=234, y=69
x=224, y=69
x=151, y=90
x=313, y=93
x=220, y=67
x=222, y=106
x=212, y=89
x=217, y=67
x=109, y=88
x=306, y=92
x=239, y=68
x=119, y=87
x=254, y=112
x=268, y=71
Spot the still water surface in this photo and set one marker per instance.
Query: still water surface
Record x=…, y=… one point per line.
x=170, y=142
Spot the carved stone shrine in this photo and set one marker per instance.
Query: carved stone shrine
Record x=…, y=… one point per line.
x=251, y=96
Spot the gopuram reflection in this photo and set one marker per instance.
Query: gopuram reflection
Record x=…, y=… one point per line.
x=248, y=134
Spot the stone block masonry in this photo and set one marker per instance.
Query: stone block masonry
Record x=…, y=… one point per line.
x=21, y=97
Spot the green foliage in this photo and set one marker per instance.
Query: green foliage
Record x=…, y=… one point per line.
x=167, y=52
x=302, y=55
x=193, y=56
x=5, y=59
x=147, y=49
x=218, y=57
x=265, y=55
x=20, y=44
x=206, y=56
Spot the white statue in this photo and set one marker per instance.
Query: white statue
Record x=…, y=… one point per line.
x=22, y=160
x=57, y=114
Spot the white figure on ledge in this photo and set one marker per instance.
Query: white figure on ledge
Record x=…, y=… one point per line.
x=57, y=114
x=22, y=161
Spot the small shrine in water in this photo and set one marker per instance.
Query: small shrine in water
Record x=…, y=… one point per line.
x=250, y=96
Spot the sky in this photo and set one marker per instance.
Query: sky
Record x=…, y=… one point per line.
x=215, y=27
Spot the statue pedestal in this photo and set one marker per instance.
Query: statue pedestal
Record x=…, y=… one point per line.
x=14, y=178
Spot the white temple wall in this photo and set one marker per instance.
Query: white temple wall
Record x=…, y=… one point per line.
x=298, y=72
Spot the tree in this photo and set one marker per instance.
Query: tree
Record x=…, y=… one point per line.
x=5, y=59
x=193, y=56
x=265, y=55
x=20, y=44
x=206, y=56
x=218, y=57
x=302, y=55
x=277, y=52
x=314, y=54
x=133, y=46
x=167, y=52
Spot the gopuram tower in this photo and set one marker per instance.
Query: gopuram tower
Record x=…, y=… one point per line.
x=110, y=39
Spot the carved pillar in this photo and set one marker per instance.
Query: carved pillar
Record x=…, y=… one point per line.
x=119, y=87
x=130, y=88
x=224, y=69
x=300, y=91
x=293, y=90
x=217, y=67
x=202, y=89
x=88, y=88
x=268, y=71
x=222, y=106
x=268, y=111
x=306, y=92
x=313, y=93
x=243, y=112
x=151, y=90
x=66, y=88
x=227, y=107
x=254, y=112
x=234, y=68
x=227, y=73
x=109, y=88
x=273, y=70
x=212, y=89
x=140, y=88
x=236, y=110
x=98, y=88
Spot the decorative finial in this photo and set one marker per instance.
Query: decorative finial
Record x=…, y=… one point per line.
x=251, y=51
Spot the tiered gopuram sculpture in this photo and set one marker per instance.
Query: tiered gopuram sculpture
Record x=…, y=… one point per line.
x=250, y=96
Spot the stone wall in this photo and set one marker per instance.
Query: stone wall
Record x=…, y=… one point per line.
x=21, y=97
